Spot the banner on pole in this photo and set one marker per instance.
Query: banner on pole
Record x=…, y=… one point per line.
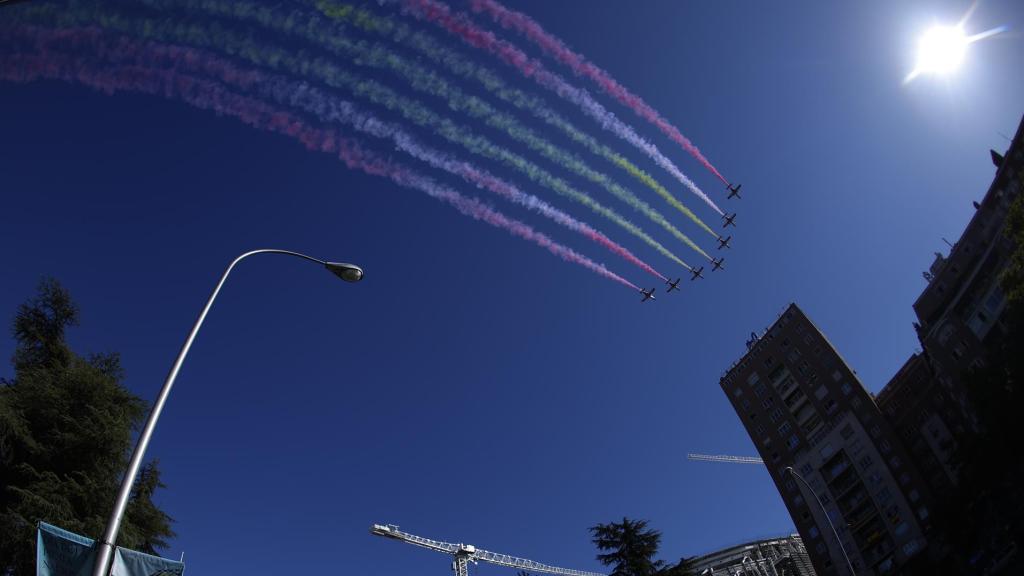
x=63, y=553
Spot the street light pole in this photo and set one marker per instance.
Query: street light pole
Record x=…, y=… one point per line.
x=842, y=548
x=105, y=551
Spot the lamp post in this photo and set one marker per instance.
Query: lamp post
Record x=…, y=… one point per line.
x=842, y=548
x=104, y=555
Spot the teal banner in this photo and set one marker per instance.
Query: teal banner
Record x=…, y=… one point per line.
x=63, y=553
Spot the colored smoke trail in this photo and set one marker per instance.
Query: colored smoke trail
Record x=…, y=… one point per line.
x=461, y=26
x=528, y=27
x=424, y=80
x=325, y=107
x=217, y=37
x=458, y=64
x=207, y=95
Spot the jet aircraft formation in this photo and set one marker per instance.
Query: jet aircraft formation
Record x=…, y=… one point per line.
x=716, y=263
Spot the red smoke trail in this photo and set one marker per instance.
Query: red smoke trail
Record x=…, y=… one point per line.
x=555, y=48
x=207, y=95
x=126, y=51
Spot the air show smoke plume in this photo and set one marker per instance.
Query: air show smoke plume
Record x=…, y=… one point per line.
x=555, y=48
x=458, y=64
x=461, y=26
x=209, y=95
x=307, y=66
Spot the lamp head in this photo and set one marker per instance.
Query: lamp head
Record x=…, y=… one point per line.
x=345, y=271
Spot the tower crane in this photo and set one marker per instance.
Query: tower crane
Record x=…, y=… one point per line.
x=465, y=553
x=725, y=458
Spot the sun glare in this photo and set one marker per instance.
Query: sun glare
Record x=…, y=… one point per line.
x=941, y=50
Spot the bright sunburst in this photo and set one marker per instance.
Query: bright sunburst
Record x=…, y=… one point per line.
x=941, y=49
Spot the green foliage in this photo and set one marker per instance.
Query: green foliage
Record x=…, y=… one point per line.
x=630, y=547
x=66, y=426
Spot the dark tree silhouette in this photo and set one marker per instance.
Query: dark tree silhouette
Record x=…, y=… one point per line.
x=629, y=547
x=66, y=426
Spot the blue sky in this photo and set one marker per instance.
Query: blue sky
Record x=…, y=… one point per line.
x=474, y=388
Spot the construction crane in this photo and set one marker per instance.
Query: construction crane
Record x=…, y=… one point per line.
x=725, y=458
x=465, y=553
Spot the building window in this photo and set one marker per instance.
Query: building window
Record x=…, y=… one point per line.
x=826, y=450
x=793, y=442
x=821, y=392
x=910, y=547
x=768, y=402
x=914, y=495
x=855, y=402
x=753, y=379
x=776, y=415
x=922, y=513
x=846, y=432
x=884, y=496
x=745, y=404
x=760, y=389
x=759, y=430
x=798, y=501
x=820, y=547
x=785, y=343
x=894, y=462
x=784, y=429
x=805, y=470
x=865, y=462
x=813, y=532
x=876, y=431
x=831, y=406
x=884, y=446
x=790, y=486
x=769, y=361
x=846, y=388
x=837, y=375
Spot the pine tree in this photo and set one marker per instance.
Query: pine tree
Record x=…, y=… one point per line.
x=66, y=425
x=632, y=547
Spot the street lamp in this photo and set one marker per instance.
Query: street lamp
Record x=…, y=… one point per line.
x=846, y=557
x=104, y=555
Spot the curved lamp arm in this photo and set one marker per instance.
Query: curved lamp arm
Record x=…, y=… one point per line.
x=846, y=557
x=104, y=555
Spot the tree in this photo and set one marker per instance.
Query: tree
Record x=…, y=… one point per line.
x=631, y=545
x=66, y=425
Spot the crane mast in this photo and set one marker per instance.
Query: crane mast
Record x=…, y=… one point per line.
x=465, y=553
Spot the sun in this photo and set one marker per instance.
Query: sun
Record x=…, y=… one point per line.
x=941, y=50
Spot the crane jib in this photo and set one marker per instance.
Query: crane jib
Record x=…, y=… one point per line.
x=465, y=553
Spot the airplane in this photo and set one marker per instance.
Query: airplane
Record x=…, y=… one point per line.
x=697, y=272
x=718, y=264
x=729, y=220
x=724, y=242
x=734, y=191
x=672, y=285
x=648, y=295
